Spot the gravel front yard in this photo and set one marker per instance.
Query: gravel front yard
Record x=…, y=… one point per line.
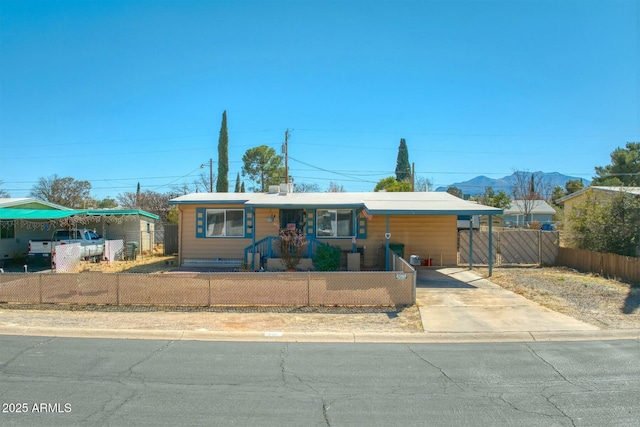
x=605, y=303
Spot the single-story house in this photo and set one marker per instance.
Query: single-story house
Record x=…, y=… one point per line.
x=220, y=227
x=536, y=210
x=24, y=219
x=600, y=193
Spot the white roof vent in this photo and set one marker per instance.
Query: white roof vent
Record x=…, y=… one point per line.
x=286, y=188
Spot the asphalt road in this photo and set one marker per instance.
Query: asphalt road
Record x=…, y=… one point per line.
x=72, y=381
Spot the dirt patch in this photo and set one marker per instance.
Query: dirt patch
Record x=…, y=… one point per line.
x=143, y=264
x=406, y=319
x=605, y=303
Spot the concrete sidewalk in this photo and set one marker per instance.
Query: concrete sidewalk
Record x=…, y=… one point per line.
x=455, y=305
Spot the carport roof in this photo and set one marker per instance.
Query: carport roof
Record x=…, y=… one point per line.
x=35, y=214
x=381, y=203
x=44, y=214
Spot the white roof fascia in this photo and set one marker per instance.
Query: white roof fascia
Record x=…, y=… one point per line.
x=17, y=201
x=635, y=191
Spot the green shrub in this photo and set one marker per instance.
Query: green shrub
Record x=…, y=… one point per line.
x=327, y=258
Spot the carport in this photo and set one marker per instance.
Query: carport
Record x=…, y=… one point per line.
x=452, y=206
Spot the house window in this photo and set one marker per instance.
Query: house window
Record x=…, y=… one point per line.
x=7, y=230
x=225, y=222
x=334, y=223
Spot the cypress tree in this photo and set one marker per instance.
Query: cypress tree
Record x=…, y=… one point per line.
x=403, y=168
x=222, y=185
x=237, y=189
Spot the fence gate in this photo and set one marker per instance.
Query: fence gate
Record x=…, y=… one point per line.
x=480, y=247
x=510, y=247
x=170, y=239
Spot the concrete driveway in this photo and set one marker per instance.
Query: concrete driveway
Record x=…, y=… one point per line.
x=455, y=300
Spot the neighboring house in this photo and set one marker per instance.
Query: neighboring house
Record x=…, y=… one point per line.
x=602, y=194
x=215, y=227
x=24, y=219
x=536, y=210
x=599, y=194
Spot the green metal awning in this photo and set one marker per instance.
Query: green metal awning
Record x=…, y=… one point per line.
x=36, y=214
x=47, y=214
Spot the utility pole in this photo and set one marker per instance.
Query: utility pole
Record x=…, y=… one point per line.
x=413, y=176
x=210, y=174
x=285, y=151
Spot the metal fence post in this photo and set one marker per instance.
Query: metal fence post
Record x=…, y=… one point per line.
x=415, y=280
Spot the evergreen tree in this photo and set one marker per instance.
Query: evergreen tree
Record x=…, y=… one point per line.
x=403, y=168
x=624, y=169
x=391, y=184
x=456, y=192
x=222, y=185
x=263, y=166
x=237, y=189
x=532, y=186
x=491, y=198
x=242, y=187
x=574, y=185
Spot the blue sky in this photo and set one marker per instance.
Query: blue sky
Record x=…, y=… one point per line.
x=121, y=92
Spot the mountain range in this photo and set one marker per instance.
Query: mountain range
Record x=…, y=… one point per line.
x=477, y=185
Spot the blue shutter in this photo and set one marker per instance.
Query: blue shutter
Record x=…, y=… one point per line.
x=201, y=222
x=311, y=222
x=361, y=232
x=249, y=222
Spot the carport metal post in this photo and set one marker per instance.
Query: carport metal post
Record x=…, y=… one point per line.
x=471, y=243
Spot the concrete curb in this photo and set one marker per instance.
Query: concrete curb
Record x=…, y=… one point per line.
x=319, y=336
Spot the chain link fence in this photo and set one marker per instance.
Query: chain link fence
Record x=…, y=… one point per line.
x=378, y=288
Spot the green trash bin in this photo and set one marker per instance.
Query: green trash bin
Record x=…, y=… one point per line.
x=132, y=250
x=398, y=248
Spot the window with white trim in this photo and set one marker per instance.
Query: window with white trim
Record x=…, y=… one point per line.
x=334, y=223
x=225, y=223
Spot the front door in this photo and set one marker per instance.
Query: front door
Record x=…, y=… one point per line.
x=292, y=219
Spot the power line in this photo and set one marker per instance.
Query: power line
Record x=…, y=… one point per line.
x=328, y=171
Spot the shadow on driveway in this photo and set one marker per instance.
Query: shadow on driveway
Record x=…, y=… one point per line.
x=432, y=278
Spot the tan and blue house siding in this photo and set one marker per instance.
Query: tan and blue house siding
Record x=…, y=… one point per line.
x=428, y=233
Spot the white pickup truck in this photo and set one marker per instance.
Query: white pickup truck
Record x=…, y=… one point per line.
x=92, y=245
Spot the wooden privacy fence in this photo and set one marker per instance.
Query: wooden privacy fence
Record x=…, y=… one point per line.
x=510, y=247
x=610, y=265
